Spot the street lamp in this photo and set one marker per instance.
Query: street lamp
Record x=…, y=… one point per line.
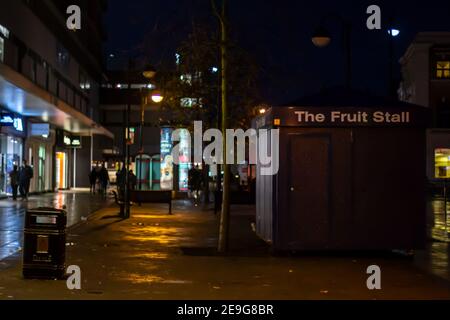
x=322, y=38
x=393, y=33
x=149, y=73
x=157, y=97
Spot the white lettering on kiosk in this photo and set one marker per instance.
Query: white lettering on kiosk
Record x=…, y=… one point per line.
x=354, y=117
x=357, y=117
x=306, y=116
x=386, y=117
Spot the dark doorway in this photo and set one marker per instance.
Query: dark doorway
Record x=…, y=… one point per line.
x=309, y=189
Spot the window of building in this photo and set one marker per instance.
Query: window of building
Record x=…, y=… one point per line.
x=10, y=156
x=442, y=163
x=188, y=102
x=2, y=49
x=41, y=169
x=443, y=69
x=4, y=31
x=85, y=83
x=62, y=55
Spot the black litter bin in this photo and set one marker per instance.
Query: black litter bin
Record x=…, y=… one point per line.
x=44, y=247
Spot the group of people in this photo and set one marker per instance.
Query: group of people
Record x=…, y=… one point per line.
x=100, y=177
x=121, y=180
x=20, y=180
x=99, y=180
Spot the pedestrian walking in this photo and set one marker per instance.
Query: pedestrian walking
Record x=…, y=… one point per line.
x=195, y=183
x=25, y=175
x=121, y=175
x=14, y=181
x=93, y=180
x=104, y=180
x=133, y=180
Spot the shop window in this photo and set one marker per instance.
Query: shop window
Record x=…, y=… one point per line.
x=442, y=163
x=10, y=156
x=443, y=69
x=41, y=169
x=85, y=83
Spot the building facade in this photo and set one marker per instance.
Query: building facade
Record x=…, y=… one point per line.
x=426, y=82
x=49, y=86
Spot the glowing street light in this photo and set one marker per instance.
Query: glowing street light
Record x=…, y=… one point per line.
x=321, y=37
x=157, y=97
x=394, y=32
x=149, y=72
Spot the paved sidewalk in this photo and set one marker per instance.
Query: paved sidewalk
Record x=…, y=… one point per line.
x=148, y=257
x=79, y=204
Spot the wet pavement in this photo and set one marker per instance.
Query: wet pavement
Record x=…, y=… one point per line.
x=436, y=258
x=438, y=212
x=154, y=255
x=79, y=204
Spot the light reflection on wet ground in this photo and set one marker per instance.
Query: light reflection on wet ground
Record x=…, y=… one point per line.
x=439, y=219
x=435, y=259
x=12, y=215
x=162, y=233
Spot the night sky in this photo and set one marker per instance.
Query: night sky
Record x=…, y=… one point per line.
x=278, y=34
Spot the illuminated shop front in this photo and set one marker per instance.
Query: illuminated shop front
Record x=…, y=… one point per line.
x=184, y=161
x=65, y=171
x=167, y=161
x=438, y=155
x=61, y=171
x=442, y=163
x=38, y=151
x=11, y=148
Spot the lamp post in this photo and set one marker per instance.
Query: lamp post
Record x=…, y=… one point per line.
x=148, y=73
x=393, y=32
x=127, y=209
x=322, y=38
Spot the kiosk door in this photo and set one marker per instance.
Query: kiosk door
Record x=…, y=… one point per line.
x=309, y=190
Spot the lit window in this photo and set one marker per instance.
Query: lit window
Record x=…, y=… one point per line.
x=443, y=69
x=4, y=31
x=85, y=84
x=62, y=55
x=2, y=49
x=186, y=79
x=442, y=163
x=188, y=102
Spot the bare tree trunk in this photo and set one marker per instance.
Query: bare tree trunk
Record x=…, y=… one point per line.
x=206, y=183
x=224, y=229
